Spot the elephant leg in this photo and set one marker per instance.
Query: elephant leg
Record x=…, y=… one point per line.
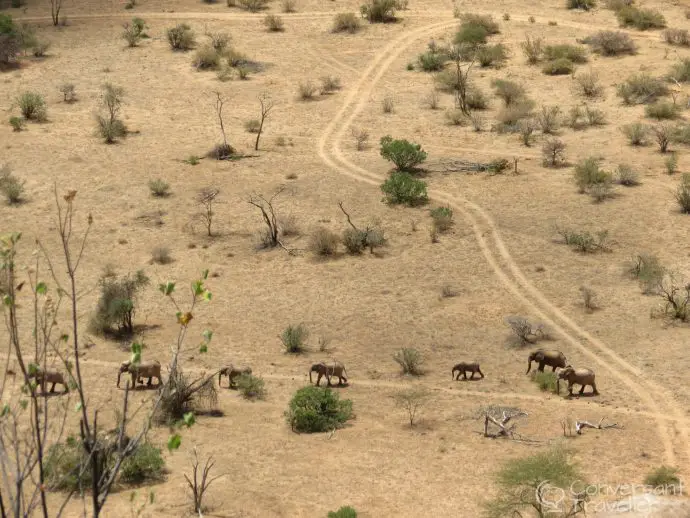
x=472, y=375
x=328, y=380
x=481, y=374
x=150, y=381
x=541, y=367
x=594, y=389
x=318, y=379
x=554, y=369
x=582, y=389
x=52, y=388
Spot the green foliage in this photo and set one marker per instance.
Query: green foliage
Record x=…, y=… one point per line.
x=343, y=512
x=181, y=37
x=587, y=174
x=442, y=218
x=471, y=34
x=546, y=381
x=405, y=155
x=683, y=194
x=479, y=20
x=431, y=61
x=379, y=11
x=134, y=32
x=159, y=188
x=642, y=19
x=146, y=463
x=116, y=306
x=663, y=476
x=32, y=105
x=403, y=188
x=641, y=89
x=410, y=361
x=314, y=410
x=520, y=480
x=574, y=53
x=10, y=186
x=110, y=129
x=346, y=22
x=558, y=67
x=251, y=387
x=662, y=110
x=611, y=43
x=11, y=41
x=17, y=123
x=294, y=338
x=253, y=6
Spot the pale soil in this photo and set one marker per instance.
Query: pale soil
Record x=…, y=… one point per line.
x=367, y=306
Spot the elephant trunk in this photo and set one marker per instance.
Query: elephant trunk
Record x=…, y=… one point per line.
x=529, y=366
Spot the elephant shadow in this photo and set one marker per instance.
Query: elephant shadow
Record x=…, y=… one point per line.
x=469, y=379
x=576, y=395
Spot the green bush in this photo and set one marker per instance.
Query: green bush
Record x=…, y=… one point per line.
x=253, y=6
x=642, y=19
x=681, y=71
x=558, y=67
x=32, y=105
x=442, y=218
x=10, y=186
x=405, y=155
x=314, y=410
x=612, y=43
x=116, y=306
x=636, y=133
x=294, y=337
x=546, y=381
x=410, y=361
x=10, y=39
x=146, y=463
x=17, y=123
x=663, y=476
x=431, y=61
x=489, y=55
x=683, y=194
x=379, y=11
x=475, y=99
x=403, y=188
x=346, y=22
x=574, y=53
x=585, y=5
x=641, y=89
x=509, y=91
x=343, y=512
x=159, y=188
x=585, y=241
x=627, y=176
x=662, y=110
x=471, y=34
x=110, y=129
x=587, y=173
x=648, y=271
x=485, y=21
x=251, y=387
x=181, y=37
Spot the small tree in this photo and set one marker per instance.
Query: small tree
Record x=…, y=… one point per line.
x=410, y=361
x=538, y=482
x=315, y=409
x=221, y=151
x=116, y=306
x=270, y=237
x=110, y=127
x=459, y=78
x=266, y=106
x=55, y=7
x=206, y=199
x=200, y=481
x=405, y=155
x=553, y=152
x=412, y=401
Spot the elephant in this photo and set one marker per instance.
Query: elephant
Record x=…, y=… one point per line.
x=464, y=368
x=549, y=357
x=329, y=370
x=232, y=372
x=150, y=369
x=43, y=377
x=573, y=376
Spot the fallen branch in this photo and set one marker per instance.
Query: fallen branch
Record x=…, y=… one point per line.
x=460, y=165
x=579, y=425
x=503, y=429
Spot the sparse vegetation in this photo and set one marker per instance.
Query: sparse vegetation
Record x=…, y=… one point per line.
x=294, y=337
x=640, y=18
x=533, y=49
x=402, y=188
x=410, y=361
x=553, y=152
x=343, y=512
x=588, y=174
x=584, y=5
x=206, y=58
x=663, y=135
x=525, y=331
x=548, y=119
x=680, y=37
x=379, y=11
x=412, y=401
x=161, y=255
x=314, y=410
x=612, y=43
x=274, y=23
x=455, y=117
x=361, y=137
x=133, y=32
x=680, y=71
x=671, y=163
x=307, y=90
x=683, y=194
x=117, y=304
x=662, y=110
x=558, y=67
x=253, y=6
x=572, y=53
x=17, y=123
x=442, y=218
x=509, y=91
x=10, y=186
x=432, y=60
x=585, y=241
x=491, y=55
x=641, y=89
x=68, y=92
x=627, y=176
x=181, y=37
x=588, y=84
x=546, y=381
x=387, y=104
x=251, y=387
x=346, y=22
x=109, y=126
x=664, y=477
x=636, y=133
x=32, y=106
x=648, y=271
x=330, y=84
x=323, y=242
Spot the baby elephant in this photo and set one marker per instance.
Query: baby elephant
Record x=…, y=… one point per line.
x=329, y=370
x=232, y=372
x=580, y=377
x=150, y=370
x=464, y=368
x=43, y=377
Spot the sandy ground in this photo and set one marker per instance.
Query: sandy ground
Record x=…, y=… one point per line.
x=501, y=256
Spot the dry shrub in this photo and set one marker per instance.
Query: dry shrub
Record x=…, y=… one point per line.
x=679, y=37
x=548, y=119
x=307, y=90
x=681, y=71
x=181, y=37
x=289, y=6
x=253, y=6
x=161, y=255
x=492, y=55
x=323, y=242
x=642, y=89
x=573, y=53
x=379, y=11
x=588, y=174
x=32, y=106
x=274, y=23
x=588, y=84
x=662, y=110
x=510, y=91
x=509, y=116
x=346, y=22
x=558, y=67
x=455, y=117
x=410, y=361
x=10, y=186
x=612, y=43
x=636, y=133
x=330, y=84
x=206, y=58
x=627, y=176
x=553, y=152
x=642, y=19
x=533, y=49
x=180, y=395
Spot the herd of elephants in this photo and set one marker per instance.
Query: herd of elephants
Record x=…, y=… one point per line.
x=152, y=369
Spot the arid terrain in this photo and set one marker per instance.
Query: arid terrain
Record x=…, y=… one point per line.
x=501, y=258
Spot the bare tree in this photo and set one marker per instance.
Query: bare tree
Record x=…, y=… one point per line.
x=271, y=236
x=266, y=107
x=412, y=401
x=224, y=150
x=206, y=198
x=461, y=82
x=200, y=481
x=55, y=6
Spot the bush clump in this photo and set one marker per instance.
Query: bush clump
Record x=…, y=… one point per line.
x=648, y=271
x=585, y=5
x=662, y=110
x=401, y=188
x=181, y=395
x=11, y=41
x=664, y=477
x=558, y=67
x=588, y=173
x=410, y=361
x=379, y=11
x=346, y=22
x=405, y=155
x=253, y=6
x=491, y=55
x=294, y=337
x=627, y=176
x=442, y=218
x=636, y=133
x=181, y=37
x=642, y=19
x=251, y=387
x=116, y=306
x=683, y=194
x=681, y=71
x=146, y=463
x=323, y=242
x=315, y=410
x=206, y=58
x=32, y=106
x=343, y=512
x=546, y=381
x=641, y=89
x=680, y=37
x=574, y=53
x=509, y=91
x=274, y=23
x=431, y=61
x=533, y=49
x=10, y=186
x=612, y=43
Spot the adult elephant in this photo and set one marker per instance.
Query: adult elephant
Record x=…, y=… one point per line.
x=549, y=357
x=329, y=370
x=150, y=370
x=573, y=376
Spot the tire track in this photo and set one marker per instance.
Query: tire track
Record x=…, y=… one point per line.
x=515, y=281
